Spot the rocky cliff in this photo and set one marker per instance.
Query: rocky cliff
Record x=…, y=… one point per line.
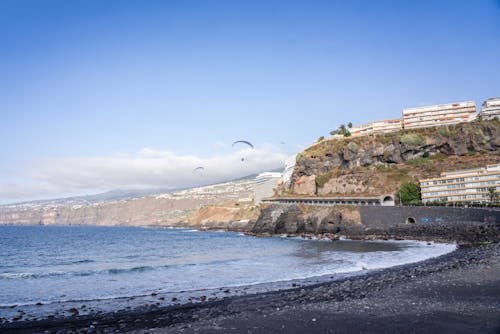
x=378, y=164
x=301, y=219
x=181, y=208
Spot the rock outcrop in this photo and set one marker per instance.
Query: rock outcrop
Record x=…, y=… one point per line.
x=298, y=219
x=371, y=165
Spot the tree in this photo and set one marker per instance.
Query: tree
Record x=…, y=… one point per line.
x=409, y=193
x=321, y=138
x=342, y=130
x=349, y=125
x=492, y=194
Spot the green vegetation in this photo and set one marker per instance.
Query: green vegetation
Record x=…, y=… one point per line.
x=409, y=193
x=492, y=195
x=384, y=138
x=444, y=132
x=420, y=161
x=322, y=179
x=383, y=168
x=438, y=156
x=353, y=147
x=412, y=139
x=321, y=138
x=342, y=130
x=399, y=175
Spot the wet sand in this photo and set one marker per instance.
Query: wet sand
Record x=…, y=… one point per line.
x=456, y=293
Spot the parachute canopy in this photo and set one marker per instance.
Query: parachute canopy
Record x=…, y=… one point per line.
x=199, y=168
x=243, y=142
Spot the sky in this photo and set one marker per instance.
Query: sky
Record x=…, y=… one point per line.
x=101, y=95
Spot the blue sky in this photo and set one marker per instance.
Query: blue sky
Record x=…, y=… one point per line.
x=145, y=89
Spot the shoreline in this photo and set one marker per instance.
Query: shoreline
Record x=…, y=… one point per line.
x=37, y=310
x=195, y=313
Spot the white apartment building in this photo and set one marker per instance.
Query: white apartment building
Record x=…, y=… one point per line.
x=490, y=108
x=289, y=166
x=441, y=114
x=389, y=125
x=470, y=185
x=361, y=130
x=265, y=184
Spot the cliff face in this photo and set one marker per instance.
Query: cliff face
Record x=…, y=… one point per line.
x=378, y=164
x=170, y=209
x=231, y=216
x=297, y=219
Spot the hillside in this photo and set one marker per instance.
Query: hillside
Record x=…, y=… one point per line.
x=378, y=164
x=168, y=209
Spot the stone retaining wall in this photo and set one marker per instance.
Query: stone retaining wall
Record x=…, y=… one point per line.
x=461, y=225
x=389, y=216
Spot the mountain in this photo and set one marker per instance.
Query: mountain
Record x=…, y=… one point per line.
x=119, y=208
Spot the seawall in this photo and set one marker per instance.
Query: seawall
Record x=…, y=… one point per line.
x=461, y=225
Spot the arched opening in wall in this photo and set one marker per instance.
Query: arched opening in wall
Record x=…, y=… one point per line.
x=411, y=220
x=388, y=201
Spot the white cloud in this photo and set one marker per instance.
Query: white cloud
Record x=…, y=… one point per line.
x=219, y=145
x=147, y=168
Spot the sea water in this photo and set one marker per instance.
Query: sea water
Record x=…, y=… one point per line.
x=47, y=264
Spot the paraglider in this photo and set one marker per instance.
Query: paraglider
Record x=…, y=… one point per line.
x=199, y=170
x=245, y=143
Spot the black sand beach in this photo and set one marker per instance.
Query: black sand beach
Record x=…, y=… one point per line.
x=456, y=293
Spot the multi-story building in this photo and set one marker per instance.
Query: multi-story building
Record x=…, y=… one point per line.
x=289, y=166
x=265, y=184
x=470, y=185
x=441, y=114
x=389, y=125
x=362, y=130
x=490, y=108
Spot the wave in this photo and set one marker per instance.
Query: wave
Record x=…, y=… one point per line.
x=112, y=271
x=131, y=270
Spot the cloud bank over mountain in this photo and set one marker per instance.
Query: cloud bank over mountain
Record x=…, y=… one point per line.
x=149, y=168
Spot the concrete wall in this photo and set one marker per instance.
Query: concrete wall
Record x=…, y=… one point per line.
x=395, y=215
x=464, y=226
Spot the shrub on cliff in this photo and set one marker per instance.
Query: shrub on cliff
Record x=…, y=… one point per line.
x=353, y=147
x=412, y=139
x=322, y=179
x=409, y=193
x=444, y=132
x=420, y=161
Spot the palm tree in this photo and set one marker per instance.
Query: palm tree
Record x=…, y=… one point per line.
x=492, y=194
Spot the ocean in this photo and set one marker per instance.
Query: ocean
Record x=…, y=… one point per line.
x=54, y=264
